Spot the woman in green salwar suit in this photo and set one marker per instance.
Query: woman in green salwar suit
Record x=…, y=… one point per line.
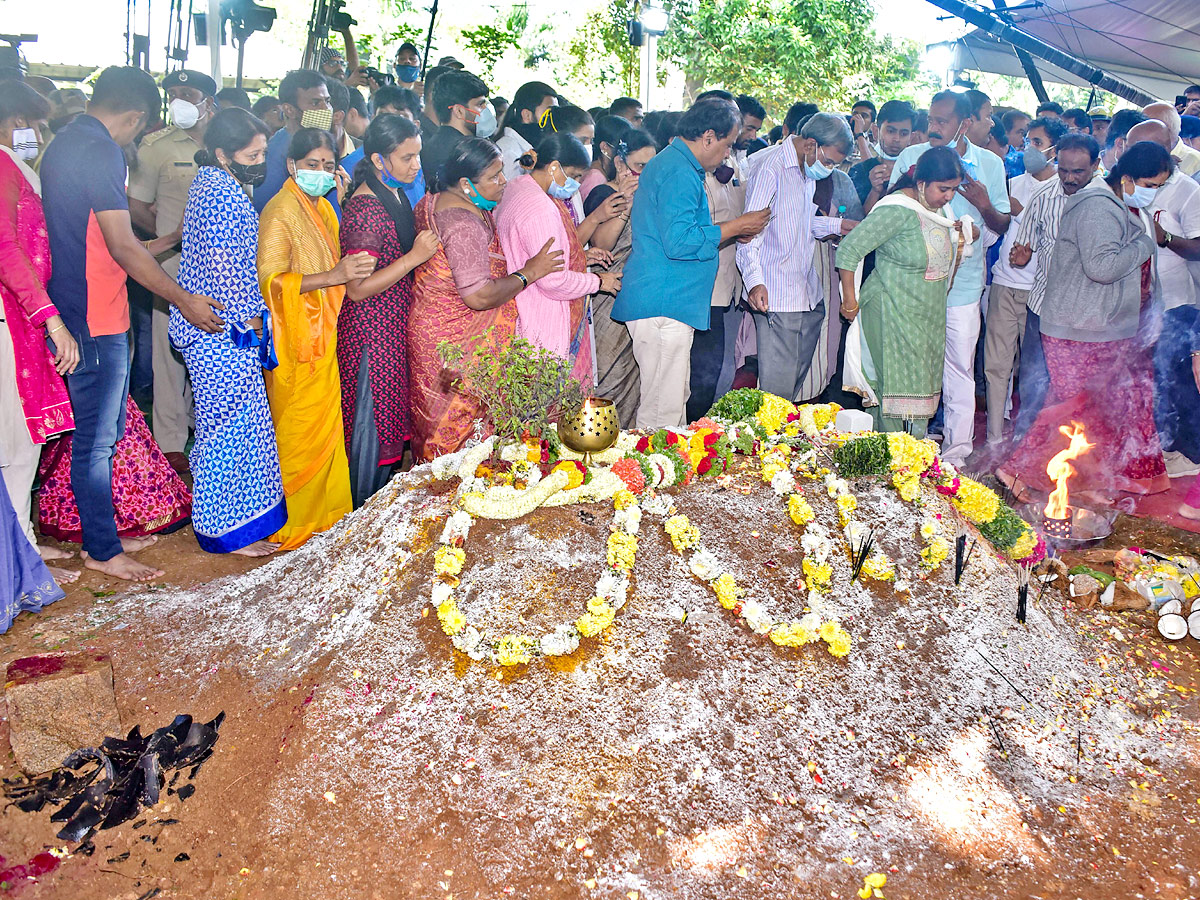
x=918, y=246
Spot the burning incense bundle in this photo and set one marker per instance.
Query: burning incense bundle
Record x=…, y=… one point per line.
x=1022, y=592
x=860, y=554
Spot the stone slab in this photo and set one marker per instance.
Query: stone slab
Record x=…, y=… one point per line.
x=57, y=703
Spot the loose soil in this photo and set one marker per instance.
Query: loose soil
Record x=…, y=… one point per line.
x=678, y=755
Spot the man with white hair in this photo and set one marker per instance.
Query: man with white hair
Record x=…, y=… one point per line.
x=1173, y=220
x=1188, y=159
x=777, y=265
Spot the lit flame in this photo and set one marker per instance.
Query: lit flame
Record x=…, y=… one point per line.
x=1060, y=469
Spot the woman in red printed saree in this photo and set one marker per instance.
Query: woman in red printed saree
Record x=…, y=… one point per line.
x=463, y=295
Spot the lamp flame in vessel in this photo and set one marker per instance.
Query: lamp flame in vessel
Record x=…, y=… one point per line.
x=1060, y=470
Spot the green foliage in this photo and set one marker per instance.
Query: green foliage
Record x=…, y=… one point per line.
x=868, y=455
x=1004, y=530
x=737, y=406
x=782, y=51
x=599, y=56
x=522, y=387
x=489, y=43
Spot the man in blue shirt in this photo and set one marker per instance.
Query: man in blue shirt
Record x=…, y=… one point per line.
x=95, y=250
x=984, y=197
x=304, y=96
x=668, y=281
x=393, y=101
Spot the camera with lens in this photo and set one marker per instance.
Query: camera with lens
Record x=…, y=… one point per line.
x=379, y=77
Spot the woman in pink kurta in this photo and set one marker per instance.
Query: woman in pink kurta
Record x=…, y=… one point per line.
x=34, y=405
x=552, y=313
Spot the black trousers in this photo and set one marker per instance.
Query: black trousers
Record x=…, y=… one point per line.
x=708, y=353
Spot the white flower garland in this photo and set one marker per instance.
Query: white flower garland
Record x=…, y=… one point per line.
x=611, y=593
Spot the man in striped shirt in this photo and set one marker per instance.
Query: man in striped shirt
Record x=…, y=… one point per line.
x=1078, y=161
x=777, y=267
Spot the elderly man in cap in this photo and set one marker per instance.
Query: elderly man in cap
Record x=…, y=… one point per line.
x=158, y=190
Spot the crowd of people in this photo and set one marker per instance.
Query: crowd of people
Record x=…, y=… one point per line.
x=307, y=254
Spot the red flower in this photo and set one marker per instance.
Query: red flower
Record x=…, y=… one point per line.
x=705, y=465
x=643, y=445
x=631, y=474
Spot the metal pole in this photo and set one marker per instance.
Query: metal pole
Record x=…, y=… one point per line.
x=1031, y=71
x=213, y=22
x=429, y=39
x=988, y=22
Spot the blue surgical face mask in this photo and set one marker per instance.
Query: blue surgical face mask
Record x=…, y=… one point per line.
x=817, y=169
x=1141, y=196
x=478, y=199
x=563, y=191
x=315, y=183
x=407, y=74
x=388, y=178
x=486, y=124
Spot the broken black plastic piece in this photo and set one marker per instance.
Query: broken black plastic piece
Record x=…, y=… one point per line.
x=102, y=787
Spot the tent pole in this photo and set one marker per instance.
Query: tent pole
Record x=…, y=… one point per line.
x=988, y=22
x=429, y=38
x=1027, y=63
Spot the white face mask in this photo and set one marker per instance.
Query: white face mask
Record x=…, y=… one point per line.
x=1141, y=197
x=184, y=114
x=25, y=144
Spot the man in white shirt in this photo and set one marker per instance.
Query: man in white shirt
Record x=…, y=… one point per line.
x=777, y=267
x=984, y=197
x=1188, y=159
x=1173, y=220
x=1009, y=294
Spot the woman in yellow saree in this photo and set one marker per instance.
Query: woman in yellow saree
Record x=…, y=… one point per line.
x=303, y=282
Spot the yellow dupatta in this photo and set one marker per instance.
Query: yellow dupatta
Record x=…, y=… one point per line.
x=298, y=238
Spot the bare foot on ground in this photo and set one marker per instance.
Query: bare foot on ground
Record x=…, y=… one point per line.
x=63, y=576
x=133, y=545
x=48, y=553
x=125, y=567
x=258, y=548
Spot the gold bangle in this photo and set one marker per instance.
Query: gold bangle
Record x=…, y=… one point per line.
x=59, y=327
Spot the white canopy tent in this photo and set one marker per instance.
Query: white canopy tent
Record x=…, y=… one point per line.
x=1152, y=45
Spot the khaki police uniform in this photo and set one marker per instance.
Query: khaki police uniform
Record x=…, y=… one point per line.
x=164, y=173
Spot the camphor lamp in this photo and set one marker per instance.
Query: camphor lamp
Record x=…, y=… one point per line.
x=592, y=429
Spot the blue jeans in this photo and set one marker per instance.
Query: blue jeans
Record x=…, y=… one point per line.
x=1176, y=400
x=1034, y=378
x=98, y=388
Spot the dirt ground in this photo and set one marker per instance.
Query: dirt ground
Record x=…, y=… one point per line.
x=363, y=758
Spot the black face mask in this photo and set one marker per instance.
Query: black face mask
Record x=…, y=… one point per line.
x=723, y=173
x=253, y=175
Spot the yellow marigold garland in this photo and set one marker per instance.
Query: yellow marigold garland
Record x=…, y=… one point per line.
x=978, y=503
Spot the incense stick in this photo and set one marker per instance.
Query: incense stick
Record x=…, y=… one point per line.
x=1022, y=592
x=859, y=556
x=999, y=740
x=961, y=567
x=1008, y=681
x=960, y=545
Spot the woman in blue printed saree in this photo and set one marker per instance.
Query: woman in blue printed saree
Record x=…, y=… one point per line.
x=238, y=497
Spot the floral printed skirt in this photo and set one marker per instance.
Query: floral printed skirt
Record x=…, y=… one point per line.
x=147, y=494
x=1108, y=388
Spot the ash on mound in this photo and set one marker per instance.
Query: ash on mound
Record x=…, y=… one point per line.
x=674, y=756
